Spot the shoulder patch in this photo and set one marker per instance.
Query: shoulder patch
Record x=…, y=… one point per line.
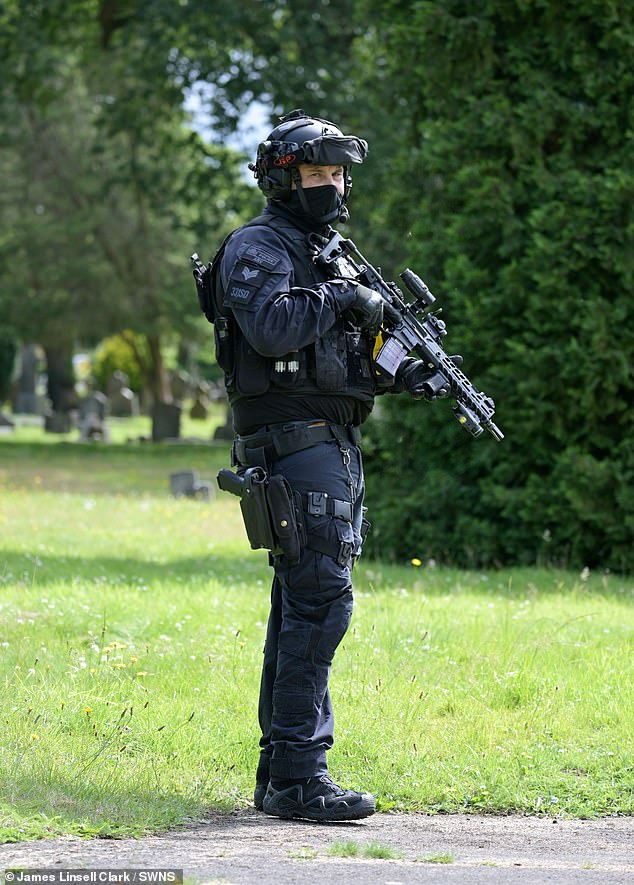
x=240, y=295
x=262, y=256
x=244, y=272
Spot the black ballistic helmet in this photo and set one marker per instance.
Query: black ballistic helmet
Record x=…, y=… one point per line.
x=299, y=139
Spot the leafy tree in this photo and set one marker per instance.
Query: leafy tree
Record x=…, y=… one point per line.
x=125, y=352
x=513, y=179
x=116, y=187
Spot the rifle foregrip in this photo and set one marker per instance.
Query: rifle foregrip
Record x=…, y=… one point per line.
x=391, y=313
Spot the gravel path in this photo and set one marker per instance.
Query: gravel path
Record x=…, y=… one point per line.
x=249, y=848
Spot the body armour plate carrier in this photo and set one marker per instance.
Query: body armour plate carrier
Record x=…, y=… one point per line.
x=340, y=362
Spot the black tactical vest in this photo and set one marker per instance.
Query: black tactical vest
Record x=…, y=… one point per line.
x=339, y=363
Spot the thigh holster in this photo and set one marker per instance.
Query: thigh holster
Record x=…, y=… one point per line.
x=270, y=509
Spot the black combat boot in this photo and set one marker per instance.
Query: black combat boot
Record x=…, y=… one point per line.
x=261, y=781
x=316, y=798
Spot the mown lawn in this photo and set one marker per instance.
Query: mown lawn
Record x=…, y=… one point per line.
x=131, y=631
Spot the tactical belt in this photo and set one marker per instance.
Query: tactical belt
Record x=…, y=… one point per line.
x=277, y=440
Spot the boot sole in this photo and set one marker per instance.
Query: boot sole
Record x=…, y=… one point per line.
x=324, y=815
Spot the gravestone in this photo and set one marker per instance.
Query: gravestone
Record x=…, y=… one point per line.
x=198, y=411
x=58, y=422
x=186, y=484
x=181, y=386
x=123, y=403
x=166, y=421
x=26, y=401
x=93, y=411
x=225, y=431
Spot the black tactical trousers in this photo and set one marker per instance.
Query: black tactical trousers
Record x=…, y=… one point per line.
x=311, y=607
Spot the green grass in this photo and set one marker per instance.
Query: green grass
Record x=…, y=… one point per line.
x=347, y=848
x=374, y=850
x=131, y=631
x=437, y=858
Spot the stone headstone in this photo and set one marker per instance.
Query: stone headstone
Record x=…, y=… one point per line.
x=124, y=404
x=26, y=401
x=94, y=404
x=57, y=422
x=186, y=484
x=198, y=411
x=93, y=410
x=116, y=382
x=166, y=421
x=181, y=386
x=225, y=431
x=27, y=404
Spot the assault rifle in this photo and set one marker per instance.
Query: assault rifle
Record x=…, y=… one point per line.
x=410, y=327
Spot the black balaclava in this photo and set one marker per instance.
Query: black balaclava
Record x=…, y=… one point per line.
x=320, y=205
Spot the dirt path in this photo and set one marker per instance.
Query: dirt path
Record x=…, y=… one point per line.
x=249, y=848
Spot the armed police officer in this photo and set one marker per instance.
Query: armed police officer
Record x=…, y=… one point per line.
x=296, y=349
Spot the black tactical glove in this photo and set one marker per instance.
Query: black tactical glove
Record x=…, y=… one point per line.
x=367, y=309
x=421, y=382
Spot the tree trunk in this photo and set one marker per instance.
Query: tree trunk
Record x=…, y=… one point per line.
x=8, y=351
x=165, y=412
x=61, y=379
x=157, y=378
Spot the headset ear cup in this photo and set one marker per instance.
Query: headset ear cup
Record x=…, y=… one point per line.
x=275, y=184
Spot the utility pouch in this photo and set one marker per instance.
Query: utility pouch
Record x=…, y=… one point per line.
x=223, y=339
x=366, y=525
x=252, y=370
x=331, y=360
x=364, y=531
x=286, y=512
x=270, y=510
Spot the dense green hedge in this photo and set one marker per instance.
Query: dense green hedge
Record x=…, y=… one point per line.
x=517, y=185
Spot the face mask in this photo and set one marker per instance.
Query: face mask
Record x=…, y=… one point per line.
x=322, y=204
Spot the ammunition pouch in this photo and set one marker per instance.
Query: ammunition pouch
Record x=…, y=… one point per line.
x=271, y=511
